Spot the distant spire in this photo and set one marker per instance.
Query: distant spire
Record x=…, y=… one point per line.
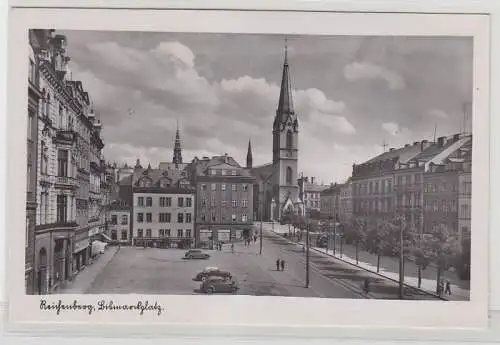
x=149, y=166
x=249, y=155
x=138, y=164
x=177, y=148
x=285, y=104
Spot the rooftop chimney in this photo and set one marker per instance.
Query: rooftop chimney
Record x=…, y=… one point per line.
x=424, y=145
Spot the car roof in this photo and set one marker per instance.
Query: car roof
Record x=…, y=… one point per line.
x=211, y=268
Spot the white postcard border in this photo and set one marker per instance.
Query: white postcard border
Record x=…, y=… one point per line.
x=248, y=311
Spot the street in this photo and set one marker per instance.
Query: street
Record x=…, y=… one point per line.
x=163, y=271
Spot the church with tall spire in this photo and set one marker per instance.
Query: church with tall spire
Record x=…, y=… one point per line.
x=177, y=148
x=277, y=181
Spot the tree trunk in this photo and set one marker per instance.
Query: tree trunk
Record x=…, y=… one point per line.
x=419, y=276
x=378, y=263
x=357, y=253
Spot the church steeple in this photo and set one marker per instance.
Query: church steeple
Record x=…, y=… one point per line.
x=177, y=148
x=285, y=103
x=249, y=155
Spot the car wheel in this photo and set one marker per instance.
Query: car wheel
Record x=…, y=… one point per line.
x=210, y=290
x=203, y=279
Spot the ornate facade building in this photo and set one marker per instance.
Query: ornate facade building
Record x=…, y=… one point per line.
x=276, y=190
x=310, y=193
x=66, y=126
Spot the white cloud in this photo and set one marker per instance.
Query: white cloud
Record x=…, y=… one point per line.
x=392, y=128
x=337, y=124
x=366, y=70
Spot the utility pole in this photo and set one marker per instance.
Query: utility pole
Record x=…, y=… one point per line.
x=401, y=259
x=334, y=233
x=307, y=255
x=260, y=235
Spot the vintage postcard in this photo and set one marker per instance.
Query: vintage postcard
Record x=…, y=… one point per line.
x=249, y=169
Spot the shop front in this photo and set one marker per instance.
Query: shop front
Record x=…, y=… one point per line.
x=80, y=254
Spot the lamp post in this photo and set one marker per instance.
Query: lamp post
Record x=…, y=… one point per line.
x=307, y=253
x=401, y=258
x=260, y=232
x=334, y=233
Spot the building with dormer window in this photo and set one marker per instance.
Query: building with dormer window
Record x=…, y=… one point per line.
x=163, y=208
x=224, y=204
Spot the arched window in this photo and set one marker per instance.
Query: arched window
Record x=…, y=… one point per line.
x=288, y=175
x=42, y=262
x=289, y=139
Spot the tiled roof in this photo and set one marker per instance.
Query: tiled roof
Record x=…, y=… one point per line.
x=404, y=154
x=156, y=175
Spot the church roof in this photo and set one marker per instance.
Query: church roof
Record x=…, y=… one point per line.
x=285, y=104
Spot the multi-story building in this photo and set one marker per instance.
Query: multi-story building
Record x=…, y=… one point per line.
x=345, y=211
x=310, y=194
x=34, y=95
x=464, y=200
x=330, y=202
x=163, y=208
x=224, y=202
x=441, y=198
x=119, y=222
x=65, y=126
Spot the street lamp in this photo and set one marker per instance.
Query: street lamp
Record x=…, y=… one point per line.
x=260, y=233
x=307, y=253
x=401, y=256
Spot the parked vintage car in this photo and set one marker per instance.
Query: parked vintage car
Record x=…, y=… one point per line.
x=212, y=272
x=219, y=284
x=196, y=254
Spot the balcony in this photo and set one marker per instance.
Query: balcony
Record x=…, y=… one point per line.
x=66, y=182
x=66, y=137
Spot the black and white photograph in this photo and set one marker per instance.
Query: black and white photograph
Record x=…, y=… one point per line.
x=162, y=163
x=321, y=174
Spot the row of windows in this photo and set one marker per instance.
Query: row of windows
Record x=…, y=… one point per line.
x=224, y=203
x=309, y=195
x=123, y=219
x=311, y=203
x=124, y=235
x=434, y=187
x=223, y=172
x=373, y=187
x=440, y=206
x=164, y=217
x=164, y=201
x=215, y=218
x=163, y=233
x=382, y=205
x=224, y=187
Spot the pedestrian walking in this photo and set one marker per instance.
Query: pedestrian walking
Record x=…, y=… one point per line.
x=440, y=287
x=254, y=238
x=448, y=288
x=366, y=286
x=278, y=261
x=232, y=247
x=282, y=265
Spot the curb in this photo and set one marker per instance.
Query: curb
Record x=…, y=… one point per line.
x=364, y=269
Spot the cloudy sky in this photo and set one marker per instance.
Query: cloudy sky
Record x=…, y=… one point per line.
x=352, y=94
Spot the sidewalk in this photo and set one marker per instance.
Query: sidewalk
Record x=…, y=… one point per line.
x=82, y=281
x=389, y=267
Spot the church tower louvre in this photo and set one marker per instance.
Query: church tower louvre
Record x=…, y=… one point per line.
x=285, y=148
x=177, y=148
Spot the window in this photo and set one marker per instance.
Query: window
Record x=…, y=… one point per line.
x=289, y=139
x=233, y=217
x=214, y=218
x=140, y=201
x=389, y=186
x=408, y=179
x=233, y=172
x=223, y=172
x=376, y=187
x=167, y=232
x=223, y=186
x=164, y=217
x=168, y=201
x=212, y=171
x=435, y=206
x=179, y=233
x=244, y=218
x=140, y=217
x=61, y=117
x=203, y=217
x=188, y=233
x=161, y=201
x=180, y=218
x=188, y=217
x=234, y=187
x=114, y=219
x=149, y=201
x=62, y=163
x=31, y=75
x=124, y=220
x=148, y=233
x=288, y=175
x=180, y=202
x=189, y=202
x=203, y=187
x=244, y=203
x=124, y=235
x=400, y=180
x=139, y=233
x=371, y=188
x=31, y=116
x=235, y=203
x=213, y=186
x=149, y=217
x=114, y=235
x=244, y=187
x=161, y=233
x=203, y=202
x=417, y=178
x=212, y=202
x=62, y=208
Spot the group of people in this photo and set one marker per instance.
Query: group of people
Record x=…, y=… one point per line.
x=248, y=240
x=444, y=286
x=280, y=264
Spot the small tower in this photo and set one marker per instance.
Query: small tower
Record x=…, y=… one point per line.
x=177, y=148
x=249, y=155
x=138, y=164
